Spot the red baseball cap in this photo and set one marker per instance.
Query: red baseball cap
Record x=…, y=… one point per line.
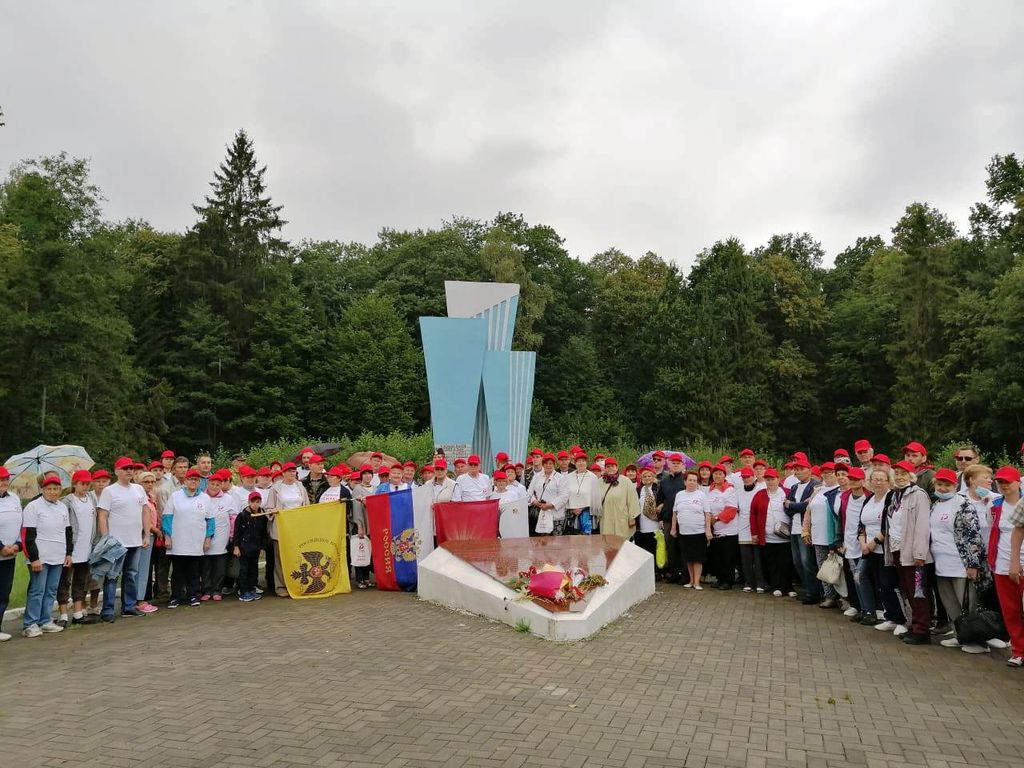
x=725, y=459
x=746, y=472
x=155, y=465
x=915, y=447
x=99, y=473
x=563, y=454
x=191, y=473
x=246, y=471
x=658, y=455
x=549, y=457
x=256, y=495
x=336, y=472
x=440, y=464
x=474, y=459
x=611, y=461
x=675, y=457
x=167, y=455
x=945, y=474
x=1007, y=474
x=410, y=463
x=499, y=475
x=459, y=461
x=704, y=463
x=500, y=457
x=287, y=466
x=882, y=458
x=316, y=458
x=905, y=465
x=802, y=462
x=760, y=463
x=861, y=445
x=772, y=472
x=828, y=466
x=376, y=455
x=355, y=475
x=719, y=468
x=536, y=452
x=840, y=452
x=263, y=472
x=746, y=452
x=50, y=480
x=856, y=473
x=595, y=467
x=124, y=463
x=81, y=476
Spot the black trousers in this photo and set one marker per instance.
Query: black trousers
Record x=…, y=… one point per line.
x=268, y=571
x=724, y=557
x=778, y=560
x=214, y=568
x=248, y=573
x=6, y=582
x=161, y=565
x=646, y=541
x=185, y=576
x=752, y=565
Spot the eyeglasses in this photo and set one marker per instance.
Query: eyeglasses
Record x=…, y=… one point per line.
x=964, y=458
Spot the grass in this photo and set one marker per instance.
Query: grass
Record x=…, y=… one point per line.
x=523, y=625
x=20, y=583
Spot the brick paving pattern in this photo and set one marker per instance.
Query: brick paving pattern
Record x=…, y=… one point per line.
x=374, y=679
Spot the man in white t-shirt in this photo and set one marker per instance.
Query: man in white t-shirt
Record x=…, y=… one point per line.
x=474, y=485
x=119, y=515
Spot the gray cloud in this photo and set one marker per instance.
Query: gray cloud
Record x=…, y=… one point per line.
x=647, y=126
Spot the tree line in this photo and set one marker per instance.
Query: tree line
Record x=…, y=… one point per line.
x=118, y=336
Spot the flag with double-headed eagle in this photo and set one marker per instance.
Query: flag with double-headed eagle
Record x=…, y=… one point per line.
x=314, y=558
x=394, y=539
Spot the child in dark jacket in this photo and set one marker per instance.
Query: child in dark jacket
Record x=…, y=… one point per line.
x=250, y=532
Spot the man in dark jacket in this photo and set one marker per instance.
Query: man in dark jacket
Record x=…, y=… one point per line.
x=795, y=506
x=668, y=486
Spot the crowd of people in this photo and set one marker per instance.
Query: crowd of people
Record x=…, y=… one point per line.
x=900, y=546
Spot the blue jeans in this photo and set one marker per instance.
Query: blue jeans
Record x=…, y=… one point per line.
x=42, y=591
x=142, y=579
x=806, y=567
x=129, y=580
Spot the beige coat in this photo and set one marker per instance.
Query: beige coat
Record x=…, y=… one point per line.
x=619, y=507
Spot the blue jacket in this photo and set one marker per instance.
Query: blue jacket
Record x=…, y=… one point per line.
x=107, y=558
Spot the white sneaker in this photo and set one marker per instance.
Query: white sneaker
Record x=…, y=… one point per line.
x=747, y=589
x=886, y=626
x=899, y=630
x=777, y=593
x=975, y=649
x=32, y=631
x=4, y=637
x=51, y=628
x=792, y=594
x=760, y=590
x=698, y=587
x=996, y=643
x=851, y=611
x=950, y=642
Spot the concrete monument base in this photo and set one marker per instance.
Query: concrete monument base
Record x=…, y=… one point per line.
x=476, y=585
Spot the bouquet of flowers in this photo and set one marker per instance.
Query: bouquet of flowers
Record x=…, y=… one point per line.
x=553, y=585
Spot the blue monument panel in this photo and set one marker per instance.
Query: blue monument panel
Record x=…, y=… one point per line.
x=453, y=351
x=522, y=367
x=496, y=391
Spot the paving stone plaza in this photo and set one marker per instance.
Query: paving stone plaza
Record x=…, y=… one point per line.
x=382, y=679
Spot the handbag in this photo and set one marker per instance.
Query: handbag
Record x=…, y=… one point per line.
x=831, y=570
x=360, y=551
x=974, y=628
x=545, y=521
x=660, y=550
x=781, y=530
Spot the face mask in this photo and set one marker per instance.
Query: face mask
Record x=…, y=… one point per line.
x=945, y=496
x=982, y=492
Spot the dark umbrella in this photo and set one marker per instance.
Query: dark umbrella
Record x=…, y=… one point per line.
x=323, y=449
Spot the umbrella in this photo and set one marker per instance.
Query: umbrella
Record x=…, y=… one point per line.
x=648, y=459
x=322, y=449
x=25, y=468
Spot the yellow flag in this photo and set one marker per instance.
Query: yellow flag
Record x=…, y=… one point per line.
x=312, y=542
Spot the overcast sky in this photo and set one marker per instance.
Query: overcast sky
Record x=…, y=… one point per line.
x=641, y=125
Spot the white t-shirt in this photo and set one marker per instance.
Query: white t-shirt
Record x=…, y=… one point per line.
x=512, y=493
x=745, y=498
x=50, y=519
x=818, y=510
x=776, y=514
x=85, y=522
x=944, y=552
x=10, y=521
x=289, y=496
x=188, y=526
x=871, y=517
x=646, y=525
x=981, y=509
x=789, y=482
x=689, y=508
x=124, y=507
x=241, y=495
x=1003, y=548
x=222, y=509
x=718, y=499
x=581, y=488
x=331, y=493
x=853, y=510
x=472, y=489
